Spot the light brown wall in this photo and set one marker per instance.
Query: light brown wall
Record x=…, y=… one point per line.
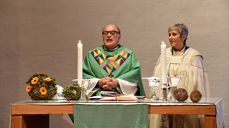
x=41, y=36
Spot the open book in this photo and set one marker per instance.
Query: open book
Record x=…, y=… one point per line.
x=119, y=98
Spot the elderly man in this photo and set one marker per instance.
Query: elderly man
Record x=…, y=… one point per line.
x=112, y=67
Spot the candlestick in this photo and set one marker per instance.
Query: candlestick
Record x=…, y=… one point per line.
x=163, y=64
x=79, y=62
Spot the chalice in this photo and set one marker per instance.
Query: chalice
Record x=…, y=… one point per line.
x=153, y=83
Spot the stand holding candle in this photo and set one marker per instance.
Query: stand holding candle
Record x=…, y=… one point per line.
x=164, y=80
x=173, y=82
x=83, y=85
x=83, y=96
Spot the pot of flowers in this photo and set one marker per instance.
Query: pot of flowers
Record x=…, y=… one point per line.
x=40, y=86
x=72, y=92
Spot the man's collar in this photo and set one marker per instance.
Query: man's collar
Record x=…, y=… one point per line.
x=117, y=47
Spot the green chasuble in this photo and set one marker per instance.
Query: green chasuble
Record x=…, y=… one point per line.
x=120, y=63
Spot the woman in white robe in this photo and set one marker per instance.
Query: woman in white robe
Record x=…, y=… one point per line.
x=186, y=62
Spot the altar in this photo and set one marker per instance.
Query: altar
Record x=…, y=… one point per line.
x=34, y=114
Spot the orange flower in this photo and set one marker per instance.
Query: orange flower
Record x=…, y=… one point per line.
x=43, y=91
x=48, y=79
x=34, y=80
x=28, y=88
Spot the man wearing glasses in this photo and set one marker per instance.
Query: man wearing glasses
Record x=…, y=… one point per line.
x=112, y=67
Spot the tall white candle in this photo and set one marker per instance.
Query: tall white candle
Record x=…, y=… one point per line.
x=79, y=62
x=163, y=64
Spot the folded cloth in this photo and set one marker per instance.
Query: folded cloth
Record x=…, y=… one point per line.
x=110, y=116
x=59, y=95
x=219, y=116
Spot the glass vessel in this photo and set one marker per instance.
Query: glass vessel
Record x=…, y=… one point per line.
x=154, y=82
x=175, y=82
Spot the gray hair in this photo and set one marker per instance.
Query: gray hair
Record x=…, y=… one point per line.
x=119, y=32
x=182, y=29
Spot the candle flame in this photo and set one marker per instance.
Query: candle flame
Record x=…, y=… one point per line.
x=79, y=44
x=162, y=42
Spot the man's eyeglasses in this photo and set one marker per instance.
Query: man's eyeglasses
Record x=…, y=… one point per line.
x=111, y=32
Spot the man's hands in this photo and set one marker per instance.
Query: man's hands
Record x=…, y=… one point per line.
x=108, y=83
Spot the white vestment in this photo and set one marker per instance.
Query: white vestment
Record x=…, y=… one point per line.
x=188, y=64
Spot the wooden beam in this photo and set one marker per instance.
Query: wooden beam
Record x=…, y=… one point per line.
x=41, y=109
x=186, y=109
x=17, y=122
x=209, y=121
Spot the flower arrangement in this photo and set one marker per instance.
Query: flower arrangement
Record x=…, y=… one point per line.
x=72, y=92
x=40, y=86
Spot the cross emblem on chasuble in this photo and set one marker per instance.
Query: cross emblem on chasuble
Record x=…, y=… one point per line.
x=110, y=63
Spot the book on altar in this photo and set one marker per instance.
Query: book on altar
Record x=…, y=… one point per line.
x=126, y=98
x=119, y=98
